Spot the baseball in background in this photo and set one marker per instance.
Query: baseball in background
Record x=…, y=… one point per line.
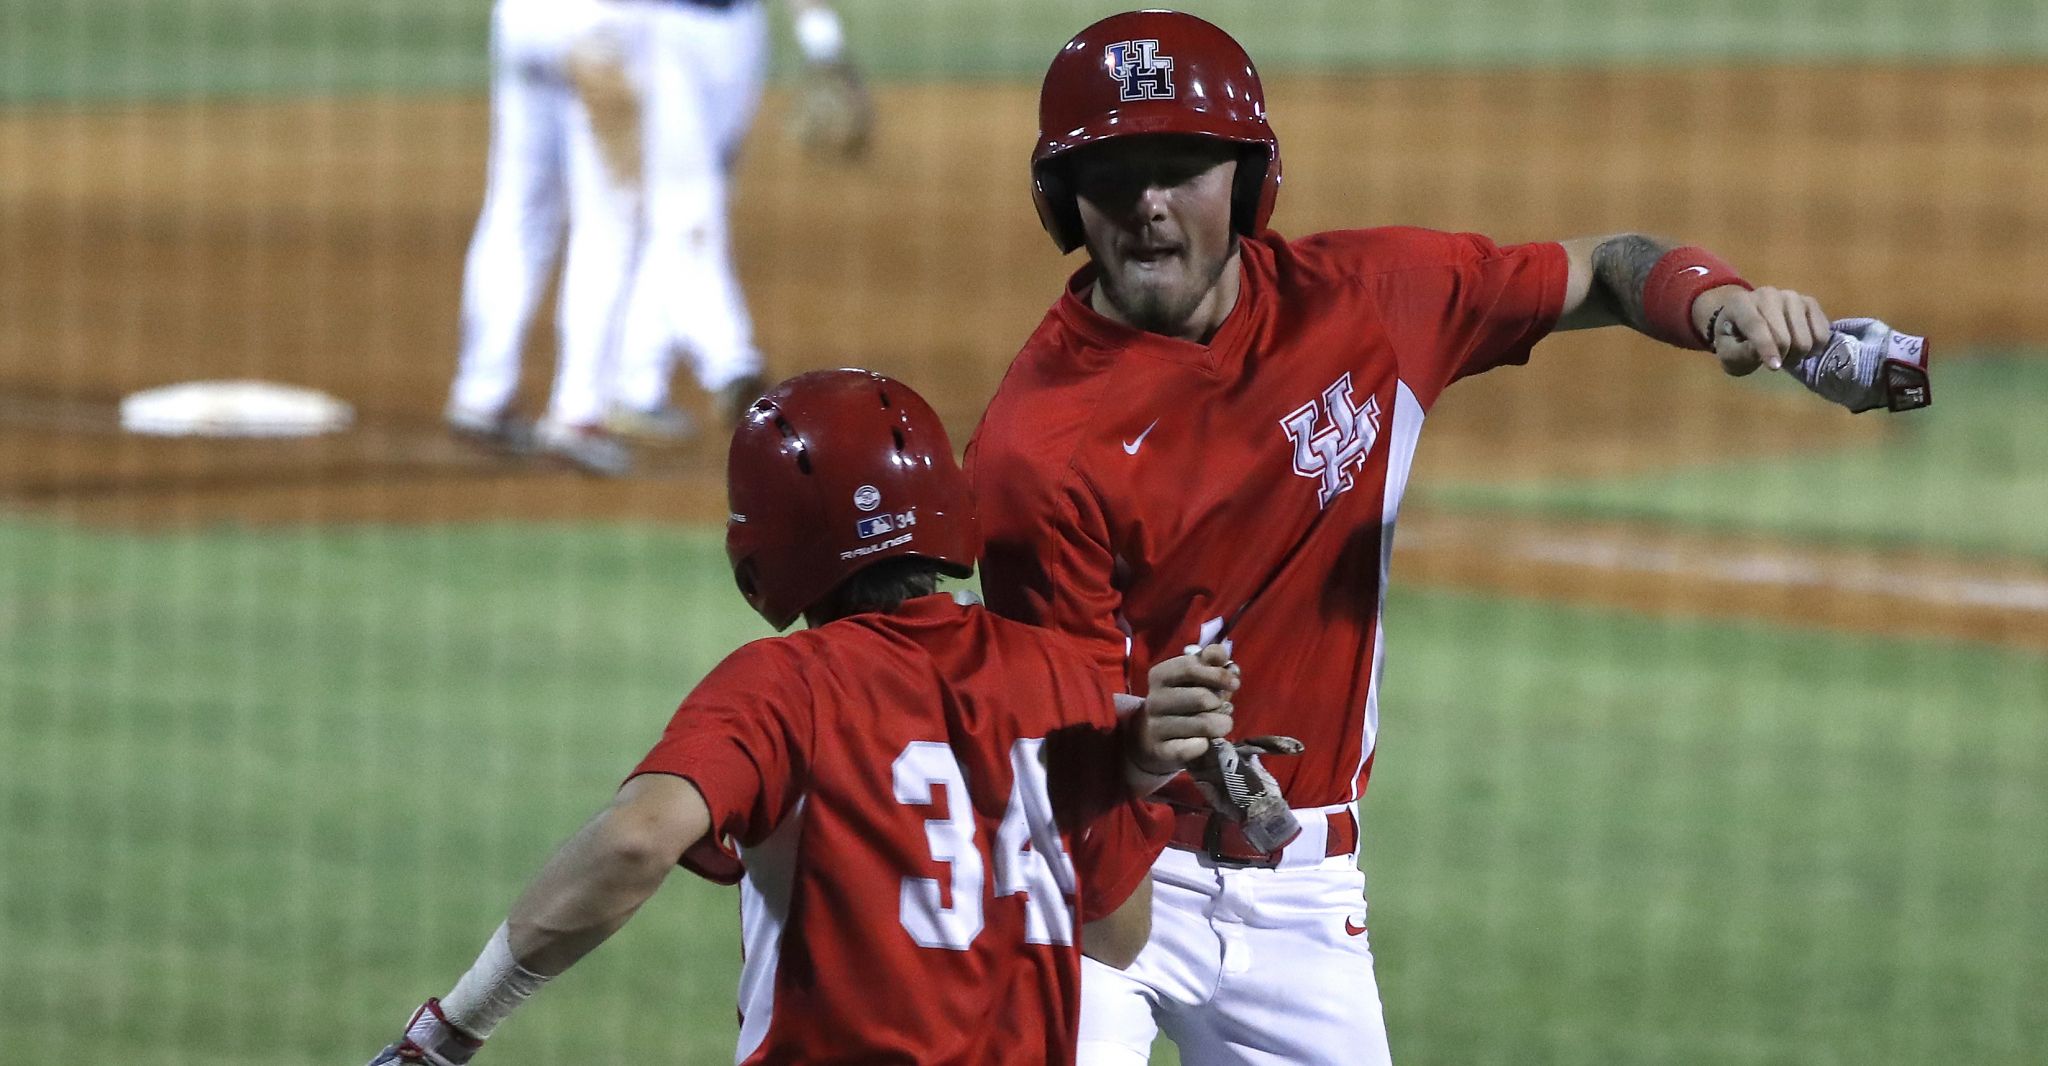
x=1715, y=719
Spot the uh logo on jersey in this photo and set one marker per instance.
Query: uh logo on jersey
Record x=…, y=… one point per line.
x=1341, y=445
x=1141, y=73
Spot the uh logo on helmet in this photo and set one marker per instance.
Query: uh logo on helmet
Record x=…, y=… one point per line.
x=1152, y=72
x=1140, y=70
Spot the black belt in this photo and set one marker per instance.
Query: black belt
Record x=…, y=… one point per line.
x=715, y=5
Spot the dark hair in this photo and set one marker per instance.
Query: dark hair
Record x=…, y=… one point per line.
x=881, y=587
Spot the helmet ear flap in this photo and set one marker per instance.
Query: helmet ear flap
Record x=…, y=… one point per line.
x=747, y=576
x=1248, y=190
x=1057, y=209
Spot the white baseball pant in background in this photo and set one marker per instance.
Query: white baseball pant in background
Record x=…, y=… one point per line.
x=705, y=71
x=546, y=172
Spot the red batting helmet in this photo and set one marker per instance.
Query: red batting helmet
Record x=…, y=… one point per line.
x=833, y=471
x=1152, y=72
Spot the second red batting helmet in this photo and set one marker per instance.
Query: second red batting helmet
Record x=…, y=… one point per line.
x=833, y=471
x=1152, y=72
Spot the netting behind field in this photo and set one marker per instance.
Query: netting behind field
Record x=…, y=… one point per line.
x=1713, y=719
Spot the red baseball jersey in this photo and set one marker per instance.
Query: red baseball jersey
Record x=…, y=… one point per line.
x=1142, y=493
x=921, y=806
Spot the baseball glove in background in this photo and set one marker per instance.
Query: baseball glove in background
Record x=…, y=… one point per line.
x=834, y=117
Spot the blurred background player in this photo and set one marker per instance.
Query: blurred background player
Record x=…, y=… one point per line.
x=837, y=773
x=555, y=66
x=620, y=119
x=707, y=59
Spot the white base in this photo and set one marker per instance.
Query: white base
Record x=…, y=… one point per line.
x=234, y=409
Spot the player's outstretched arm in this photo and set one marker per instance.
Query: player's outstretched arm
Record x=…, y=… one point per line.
x=586, y=892
x=1686, y=296
x=606, y=871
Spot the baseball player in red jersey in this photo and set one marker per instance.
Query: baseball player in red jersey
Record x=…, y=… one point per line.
x=929, y=809
x=1208, y=436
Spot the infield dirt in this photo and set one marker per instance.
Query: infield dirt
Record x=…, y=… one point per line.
x=320, y=242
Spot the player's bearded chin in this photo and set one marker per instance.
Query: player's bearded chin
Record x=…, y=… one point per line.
x=1160, y=301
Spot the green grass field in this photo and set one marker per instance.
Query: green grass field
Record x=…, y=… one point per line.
x=264, y=791
x=1963, y=476
x=96, y=51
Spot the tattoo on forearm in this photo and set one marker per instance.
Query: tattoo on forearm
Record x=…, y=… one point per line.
x=1621, y=264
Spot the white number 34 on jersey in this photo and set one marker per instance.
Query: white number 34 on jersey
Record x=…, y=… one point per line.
x=1028, y=855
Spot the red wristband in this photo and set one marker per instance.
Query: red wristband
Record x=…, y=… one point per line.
x=1674, y=283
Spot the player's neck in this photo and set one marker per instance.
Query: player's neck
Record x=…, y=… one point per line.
x=1201, y=324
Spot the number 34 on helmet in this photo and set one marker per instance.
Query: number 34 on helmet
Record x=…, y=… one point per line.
x=1151, y=72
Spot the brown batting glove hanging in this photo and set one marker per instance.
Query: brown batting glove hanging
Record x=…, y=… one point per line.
x=1867, y=365
x=1237, y=784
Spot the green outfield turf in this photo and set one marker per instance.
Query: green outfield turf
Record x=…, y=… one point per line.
x=102, y=51
x=1963, y=475
x=263, y=791
x=106, y=50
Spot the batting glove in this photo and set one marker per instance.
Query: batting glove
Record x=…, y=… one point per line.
x=430, y=1038
x=1238, y=785
x=1867, y=365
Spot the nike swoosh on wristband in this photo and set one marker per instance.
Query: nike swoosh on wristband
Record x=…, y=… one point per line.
x=1131, y=446
x=1700, y=270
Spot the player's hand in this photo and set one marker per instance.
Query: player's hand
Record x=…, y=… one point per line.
x=429, y=1039
x=1767, y=327
x=835, y=116
x=1187, y=705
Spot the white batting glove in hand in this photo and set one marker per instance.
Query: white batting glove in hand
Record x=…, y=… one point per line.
x=1867, y=365
x=430, y=1039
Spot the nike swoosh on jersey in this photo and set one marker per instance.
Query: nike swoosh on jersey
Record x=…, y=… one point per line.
x=1353, y=926
x=1131, y=446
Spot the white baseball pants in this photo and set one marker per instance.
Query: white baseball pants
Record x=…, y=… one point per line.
x=1244, y=966
x=546, y=172
x=705, y=68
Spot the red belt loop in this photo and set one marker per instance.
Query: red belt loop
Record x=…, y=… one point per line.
x=1208, y=833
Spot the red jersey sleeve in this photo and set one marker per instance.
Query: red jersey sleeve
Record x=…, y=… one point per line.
x=1046, y=559
x=743, y=737
x=1115, y=836
x=1455, y=304
x=1113, y=853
